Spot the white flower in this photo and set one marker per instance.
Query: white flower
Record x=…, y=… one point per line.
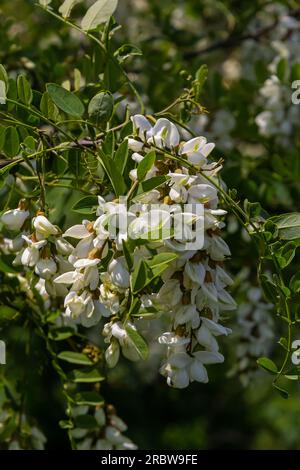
x=216, y=247
x=69, y=277
x=169, y=294
x=164, y=134
x=186, y=314
x=78, y=231
x=154, y=224
x=14, y=219
x=176, y=369
x=119, y=274
x=202, y=193
x=43, y=227
x=141, y=125
x=83, y=307
x=195, y=272
x=82, y=250
x=118, y=331
x=135, y=145
x=77, y=305
x=197, y=150
x=112, y=354
x=197, y=371
x=63, y=247
x=31, y=254
x=207, y=332
x=171, y=339
x=178, y=182
x=45, y=268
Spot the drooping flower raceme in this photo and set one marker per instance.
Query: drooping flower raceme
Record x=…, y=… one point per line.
x=158, y=253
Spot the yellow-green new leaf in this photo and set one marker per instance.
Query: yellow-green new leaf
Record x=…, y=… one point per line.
x=98, y=13
x=2, y=92
x=3, y=75
x=67, y=6
x=44, y=3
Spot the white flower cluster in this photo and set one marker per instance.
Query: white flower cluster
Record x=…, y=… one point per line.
x=279, y=115
x=194, y=286
x=256, y=328
x=111, y=436
x=94, y=276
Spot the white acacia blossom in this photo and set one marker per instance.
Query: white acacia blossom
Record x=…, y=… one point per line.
x=87, y=266
x=112, y=431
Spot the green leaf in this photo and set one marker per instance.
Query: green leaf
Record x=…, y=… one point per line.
x=288, y=225
x=284, y=393
x=85, y=376
x=98, y=13
x=160, y=262
x=267, y=364
x=67, y=6
x=134, y=307
x=253, y=209
x=12, y=93
x=125, y=51
x=152, y=183
x=12, y=142
x=113, y=174
x=295, y=72
x=66, y=424
x=101, y=107
x=89, y=398
x=86, y=205
x=65, y=100
x=8, y=313
x=24, y=90
x=283, y=342
x=2, y=136
x=113, y=77
x=295, y=283
x=75, y=358
x=286, y=254
x=269, y=288
x=146, y=271
x=61, y=333
x=145, y=165
x=140, y=277
x=161, y=259
x=121, y=156
x=138, y=341
x=2, y=92
x=48, y=108
x=7, y=268
x=128, y=256
x=282, y=69
x=29, y=144
x=201, y=76
x=86, y=422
